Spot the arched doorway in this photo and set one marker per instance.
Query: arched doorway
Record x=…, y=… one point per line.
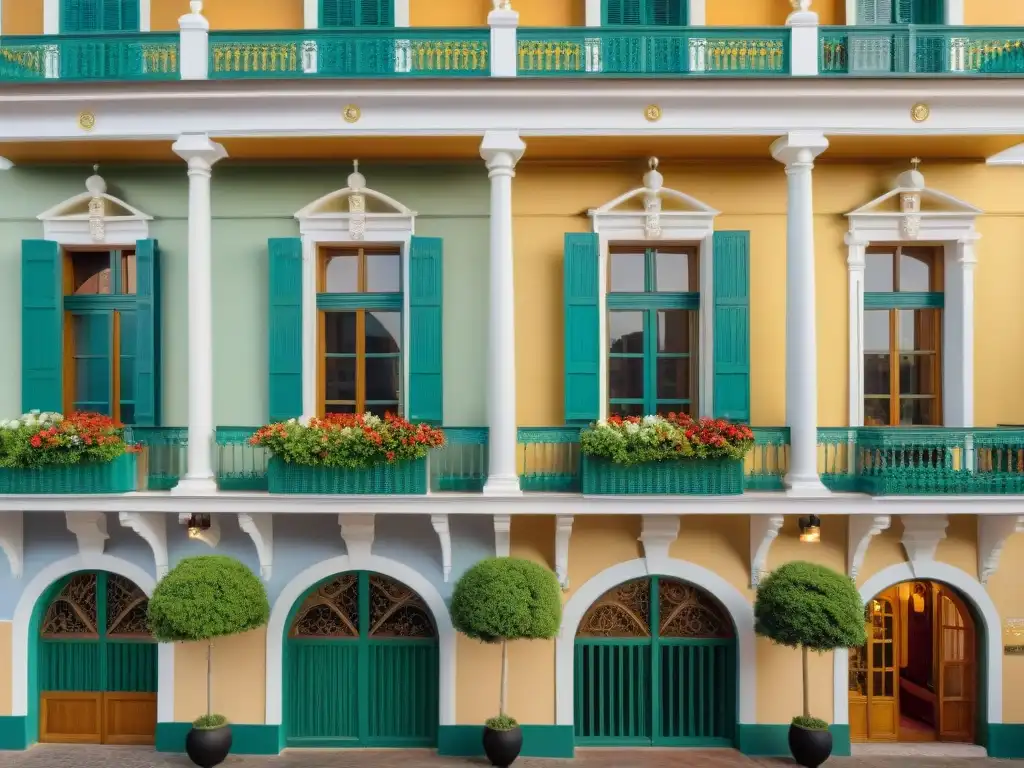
x=96, y=663
x=655, y=664
x=916, y=678
x=361, y=665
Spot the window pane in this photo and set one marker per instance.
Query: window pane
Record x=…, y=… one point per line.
x=673, y=378
x=382, y=378
x=91, y=339
x=340, y=408
x=918, y=411
x=340, y=330
x=383, y=409
x=383, y=333
x=876, y=330
x=127, y=377
x=876, y=412
x=674, y=330
x=916, y=269
x=878, y=272
x=127, y=413
x=90, y=273
x=127, y=341
x=917, y=375
x=627, y=272
x=383, y=273
x=340, y=378
x=664, y=409
x=626, y=409
x=918, y=329
x=672, y=273
x=626, y=332
x=342, y=273
x=877, y=374
x=626, y=378
x=128, y=272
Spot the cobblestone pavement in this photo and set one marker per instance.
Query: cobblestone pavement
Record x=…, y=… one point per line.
x=82, y=756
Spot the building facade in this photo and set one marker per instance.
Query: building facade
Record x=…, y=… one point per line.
x=513, y=222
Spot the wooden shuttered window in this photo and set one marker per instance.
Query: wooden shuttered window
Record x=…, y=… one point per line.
x=660, y=13
x=335, y=14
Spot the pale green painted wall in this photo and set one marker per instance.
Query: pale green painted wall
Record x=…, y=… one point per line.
x=250, y=205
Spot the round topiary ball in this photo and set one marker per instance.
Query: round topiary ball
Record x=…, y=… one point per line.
x=206, y=597
x=806, y=604
x=507, y=598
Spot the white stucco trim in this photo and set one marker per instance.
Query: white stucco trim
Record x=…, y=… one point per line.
x=113, y=222
x=320, y=225
x=970, y=589
x=311, y=13
x=51, y=16
x=22, y=621
x=954, y=12
x=735, y=602
x=298, y=586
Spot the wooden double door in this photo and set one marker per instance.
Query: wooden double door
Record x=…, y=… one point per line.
x=916, y=677
x=96, y=663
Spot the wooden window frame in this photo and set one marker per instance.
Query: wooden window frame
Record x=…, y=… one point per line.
x=358, y=302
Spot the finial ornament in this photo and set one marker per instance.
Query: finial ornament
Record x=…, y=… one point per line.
x=801, y=6
x=196, y=6
x=916, y=162
x=653, y=163
x=503, y=5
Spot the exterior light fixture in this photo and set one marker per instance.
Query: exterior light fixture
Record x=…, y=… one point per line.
x=197, y=525
x=810, y=529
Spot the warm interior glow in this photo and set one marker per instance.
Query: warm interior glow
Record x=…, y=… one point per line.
x=811, y=534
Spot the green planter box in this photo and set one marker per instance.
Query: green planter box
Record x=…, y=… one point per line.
x=403, y=478
x=117, y=476
x=695, y=477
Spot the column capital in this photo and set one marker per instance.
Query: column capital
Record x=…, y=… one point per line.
x=501, y=150
x=799, y=148
x=503, y=18
x=194, y=19
x=5, y=164
x=198, y=151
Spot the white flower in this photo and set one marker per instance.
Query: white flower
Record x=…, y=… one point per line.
x=371, y=420
x=34, y=412
x=649, y=421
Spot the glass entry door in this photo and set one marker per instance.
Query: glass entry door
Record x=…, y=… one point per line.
x=874, y=683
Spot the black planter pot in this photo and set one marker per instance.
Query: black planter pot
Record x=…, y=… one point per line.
x=502, y=747
x=810, y=748
x=208, y=747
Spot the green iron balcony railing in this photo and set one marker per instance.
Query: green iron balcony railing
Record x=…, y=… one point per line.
x=110, y=56
x=921, y=50
x=462, y=464
x=164, y=457
x=337, y=53
x=653, y=51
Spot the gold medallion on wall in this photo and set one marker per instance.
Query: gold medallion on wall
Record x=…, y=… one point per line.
x=652, y=113
x=920, y=112
x=86, y=120
x=351, y=113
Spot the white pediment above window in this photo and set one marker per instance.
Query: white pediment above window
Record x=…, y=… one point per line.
x=95, y=217
x=654, y=212
x=356, y=209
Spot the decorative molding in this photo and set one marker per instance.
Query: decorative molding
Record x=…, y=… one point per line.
x=921, y=537
x=95, y=217
x=5, y=164
x=563, y=532
x=502, y=535
x=210, y=537
x=152, y=527
x=12, y=541
x=444, y=535
x=261, y=530
x=657, y=535
x=91, y=530
x=763, y=531
x=993, y=531
x=860, y=530
x=357, y=532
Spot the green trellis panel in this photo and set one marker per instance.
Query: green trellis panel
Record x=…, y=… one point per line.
x=655, y=691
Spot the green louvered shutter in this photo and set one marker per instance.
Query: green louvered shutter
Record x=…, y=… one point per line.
x=903, y=12
x=426, y=330
x=80, y=16
x=928, y=12
x=120, y=15
x=147, y=334
x=285, y=328
x=624, y=11
x=42, y=326
x=666, y=13
x=732, y=326
x=375, y=13
x=874, y=12
x=338, y=13
x=582, y=329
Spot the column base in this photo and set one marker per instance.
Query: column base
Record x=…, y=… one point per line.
x=502, y=485
x=195, y=486
x=805, y=485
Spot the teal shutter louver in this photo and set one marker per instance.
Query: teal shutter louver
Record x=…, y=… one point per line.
x=659, y=13
x=623, y=11
x=147, y=334
x=426, y=330
x=42, y=326
x=376, y=13
x=284, y=327
x=874, y=12
x=99, y=16
x=582, y=328
x=732, y=326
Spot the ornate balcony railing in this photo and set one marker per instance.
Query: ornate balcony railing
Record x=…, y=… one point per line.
x=338, y=53
x=110, y=56
x=652, y=51
x=164, y=455
x=886, y=51
x=462, y=464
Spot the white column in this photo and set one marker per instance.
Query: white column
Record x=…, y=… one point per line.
x=195, y=43
x=798, y=150
x=504, y=49
x=855, y=263
x=201, y=154
x=803, y=37
x=501, y=150
x=958, y=341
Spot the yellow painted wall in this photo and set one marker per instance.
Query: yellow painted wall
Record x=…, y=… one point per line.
x=231, y=14
x=23, y=17
x=1004, y=587
x=994, y=13
x=239, y=678
x=6, y=628
x=552, y=199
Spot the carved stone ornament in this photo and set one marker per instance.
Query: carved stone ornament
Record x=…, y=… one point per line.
x=653, y=182
x=357, y=203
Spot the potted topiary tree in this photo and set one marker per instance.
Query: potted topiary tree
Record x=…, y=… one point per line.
x=201, y=599
x=501, y=599
x=811, y=607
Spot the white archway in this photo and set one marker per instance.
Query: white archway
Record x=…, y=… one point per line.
x=22, y=626
x=313, y=575
x=734, y=601
x=968, y=587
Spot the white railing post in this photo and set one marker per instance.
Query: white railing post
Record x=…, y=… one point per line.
x=194, y=55
x=503, y=22
x=803, y=39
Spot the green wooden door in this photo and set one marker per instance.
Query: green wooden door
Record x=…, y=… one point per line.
x=655, y=666
x=361, y=666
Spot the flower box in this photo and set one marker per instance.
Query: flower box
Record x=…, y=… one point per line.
x=116, y=476
x=685, y=477
x=400, y=477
